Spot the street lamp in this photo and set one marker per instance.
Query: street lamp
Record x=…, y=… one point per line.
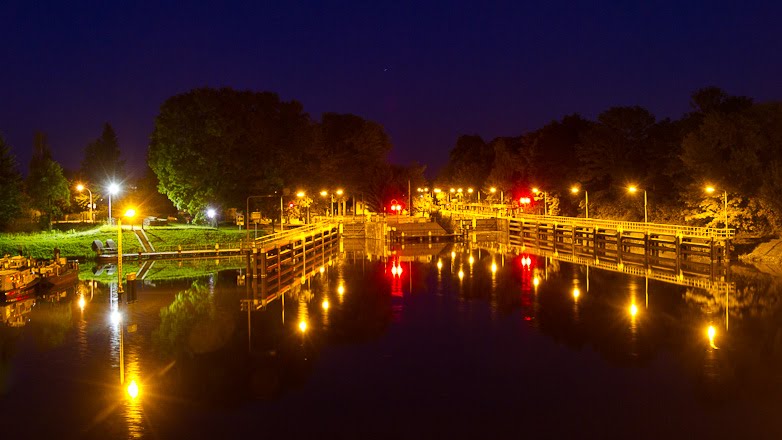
x=470, y=191
x=537, y=191
x=575, y=190
x=211, y=214
x=632, y=189
x=81, y=188
x=113, y=190
x=710, y=189
x=130, y=213
x=502, y=196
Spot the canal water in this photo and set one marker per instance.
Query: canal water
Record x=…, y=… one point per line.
x=416, y=343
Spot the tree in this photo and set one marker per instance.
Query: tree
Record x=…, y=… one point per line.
x=46, y=185
x=470, y=162
x=218, y=146
x=102, y=162
x=10, y=186
x=732, y=150
x=350, y=151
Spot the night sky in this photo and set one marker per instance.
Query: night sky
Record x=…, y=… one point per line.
x=427, y=72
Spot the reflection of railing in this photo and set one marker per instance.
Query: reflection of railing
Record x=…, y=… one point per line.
x=285, y=267
x=615, y=225
x=682, y=278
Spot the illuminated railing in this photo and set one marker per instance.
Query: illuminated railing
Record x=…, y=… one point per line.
x=487, y=211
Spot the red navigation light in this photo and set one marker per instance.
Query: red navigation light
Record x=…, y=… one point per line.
x=291, y=205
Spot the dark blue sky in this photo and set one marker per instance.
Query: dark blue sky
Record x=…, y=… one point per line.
x=426, y=71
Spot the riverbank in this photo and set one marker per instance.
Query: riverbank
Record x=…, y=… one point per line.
x=77, y=244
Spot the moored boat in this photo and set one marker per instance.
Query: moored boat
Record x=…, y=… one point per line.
x=18, y=284
x=58, y=273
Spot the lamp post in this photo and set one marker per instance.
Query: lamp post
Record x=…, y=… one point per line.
x=113, y=190
x=575, y=190
x=632, y=189
x=81, y=188
x=211, y=214
x=537, y=191
x=502, y=195
x=710, y=189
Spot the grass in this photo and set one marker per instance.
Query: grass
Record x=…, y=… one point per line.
x=77, y=244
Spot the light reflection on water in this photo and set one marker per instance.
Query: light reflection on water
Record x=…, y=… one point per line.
x=576, y=306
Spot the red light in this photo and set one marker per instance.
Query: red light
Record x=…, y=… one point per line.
x=290, y=205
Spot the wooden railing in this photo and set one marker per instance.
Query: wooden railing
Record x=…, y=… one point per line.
x=484, y=211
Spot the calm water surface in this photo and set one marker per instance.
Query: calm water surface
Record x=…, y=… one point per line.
x=367, y=350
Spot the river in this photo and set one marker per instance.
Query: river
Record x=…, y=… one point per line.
x=442, y=342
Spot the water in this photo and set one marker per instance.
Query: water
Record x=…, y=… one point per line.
x=364, y=350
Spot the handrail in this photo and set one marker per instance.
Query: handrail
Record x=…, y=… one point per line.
x=619, y=225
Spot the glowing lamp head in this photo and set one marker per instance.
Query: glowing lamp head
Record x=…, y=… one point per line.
x=80, y=187
x=574, y=189
x=632, y=189
x=453, y=190
x=437, y=190
x=339, y=192
x=710, y=189
x=324, y=193
x=535, y=190
x=211, y=213
x=492, y=190
x=130, y=213
x=300, y=194
x=302, y=326
x=469, y=190
x=113, y=189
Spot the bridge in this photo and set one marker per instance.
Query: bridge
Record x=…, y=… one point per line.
x=615, y=239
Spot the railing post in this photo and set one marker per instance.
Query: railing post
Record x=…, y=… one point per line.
x=264, y=264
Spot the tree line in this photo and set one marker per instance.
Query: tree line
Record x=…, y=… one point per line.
x=214, y=148
x=728, y=142
x=217, y=147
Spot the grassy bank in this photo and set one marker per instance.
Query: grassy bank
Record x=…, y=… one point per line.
x=77, y=244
